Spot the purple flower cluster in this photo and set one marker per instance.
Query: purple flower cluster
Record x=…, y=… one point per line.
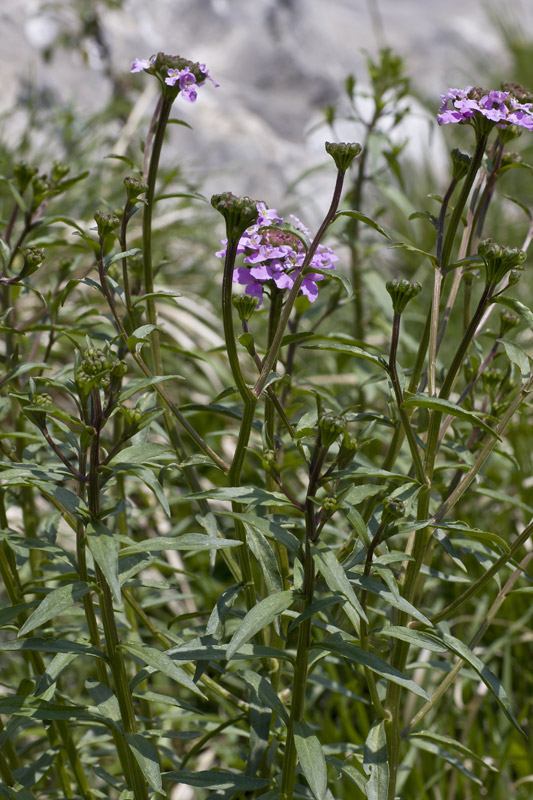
x=502, y=108
x=275, y=256
x=185, y=78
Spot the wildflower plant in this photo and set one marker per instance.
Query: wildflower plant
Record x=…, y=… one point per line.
x=264, y=567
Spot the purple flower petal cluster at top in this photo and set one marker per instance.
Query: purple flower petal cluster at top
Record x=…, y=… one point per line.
x=499, y=107
x=185, y=78
x=275, y=256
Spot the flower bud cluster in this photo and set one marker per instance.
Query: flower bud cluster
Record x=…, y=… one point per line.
x=461, y=163
x=401, y=292
x=393, y=509
x=499, y=260
x=343, y=153
x=134, y=187
x=96, y=370
x=239, y=212
x=508, y=321
x=330, y=427
x=106, y=223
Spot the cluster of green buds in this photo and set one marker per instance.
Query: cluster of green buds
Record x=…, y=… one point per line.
x=133, y=418
x=105, y=223
x=330, y=427
x=343, y=153
x=499, y=260
x=461, y=164
x=245, y=305
x=347, y=450
x=23, y=174
x=45, y=184
x=401, y=292
x=393, y=509
x=36, y=411
x=33, y=258
x=508, y=321
x=239, y=213
x=134, y=188
x=270, y=463
x=98, y=369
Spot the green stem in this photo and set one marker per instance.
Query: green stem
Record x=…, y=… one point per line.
x=151, y=179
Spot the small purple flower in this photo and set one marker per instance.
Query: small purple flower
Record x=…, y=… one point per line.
x=273, y=257
x=470, y=104
x=140, y=64
x=181, y=76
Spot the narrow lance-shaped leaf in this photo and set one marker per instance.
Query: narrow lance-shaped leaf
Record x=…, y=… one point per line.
x=312, y=759
x=261, y=615
x=54, y=604
x=447, y=407
x=376, y=762
x=147, y=758
x=162, y=662
x=104, y=550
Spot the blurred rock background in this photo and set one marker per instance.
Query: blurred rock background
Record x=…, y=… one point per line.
x=279, y=62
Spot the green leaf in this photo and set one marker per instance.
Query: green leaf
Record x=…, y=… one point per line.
x=49, y=645
x=349, y=350
x=438, y=750
x=376, y=664
x=487, y=676
x=147, y=758
x=351, y=772
x=215, y=779
x=447, y=407
x=265, y=692
x=140, y=335
x=104, y=550
x=267, y=527
x=187, y=541
x=104, y=699
x=412, y=249
x=140, y=384
x=519, y=308
x=261, y=615
x=54, y=604
x=517, y=355
x=376, y=762
x=163, y=663
x=264, y=554
x=438, y=738
x=416, y=638
x=362, y=218
x=140, y=453
x=335, y=576
x=371, y=585
x=312, y=759
x=242, y=494
x=31, y=707
x=120, y=256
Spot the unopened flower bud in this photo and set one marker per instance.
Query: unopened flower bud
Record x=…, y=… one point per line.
x=59, y=171
x=514, y=277
x=134, y=187
x=330, y=504
x=499, y=260
x=461, y=163
x=33, y=258
x=343, y=153
x=106, y=223
x=508, y=321
x=401, y=292
x=393, y=509
x=239, y=213
x=23, y=174
x=330, y=427
x=347, y=450
x=245, y=305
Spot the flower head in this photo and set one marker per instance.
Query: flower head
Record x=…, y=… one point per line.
x=480, y=106
x=178, y=74
x=273, y=256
